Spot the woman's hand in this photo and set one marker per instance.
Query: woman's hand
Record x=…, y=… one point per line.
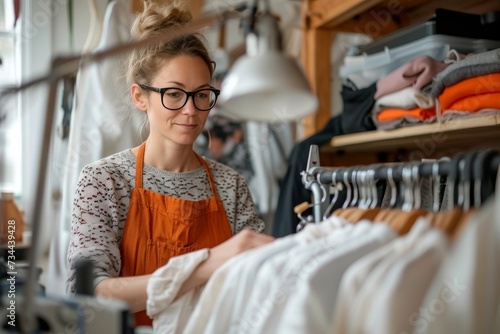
x=239, y=243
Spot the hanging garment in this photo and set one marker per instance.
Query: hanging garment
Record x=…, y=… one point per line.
x=191, y=312
x=265, y=314
x=464, y=296
x=317, y=280
x=159, y=227
x=222, y=298
x=100, y=126
x=404, y=285
x=227, y=288
x=361, y=279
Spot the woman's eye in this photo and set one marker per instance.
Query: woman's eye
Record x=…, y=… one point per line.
x=173, y=94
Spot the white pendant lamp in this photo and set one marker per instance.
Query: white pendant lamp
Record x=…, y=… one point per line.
x=265, y=85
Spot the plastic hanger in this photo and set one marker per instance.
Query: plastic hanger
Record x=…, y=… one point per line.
x=351, y=200
x=446, y=220
x=383, y=214
x=465, y=195
x=339, y=211
x=483, y=184
x=403, y=219
x=367, y=207
x=335, y=195
x=359, y=203
x=477, y=167
x=435, y=191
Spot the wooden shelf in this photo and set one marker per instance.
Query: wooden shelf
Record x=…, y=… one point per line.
x=426, y=138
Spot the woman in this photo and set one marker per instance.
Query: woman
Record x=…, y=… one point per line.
x=136, y=209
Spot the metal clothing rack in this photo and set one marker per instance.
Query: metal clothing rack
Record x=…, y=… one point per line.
x=465, y=168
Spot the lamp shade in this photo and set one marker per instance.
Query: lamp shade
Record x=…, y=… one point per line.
x=268, y=87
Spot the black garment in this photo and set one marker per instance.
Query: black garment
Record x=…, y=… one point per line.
x=355, y=117
x=357, y=109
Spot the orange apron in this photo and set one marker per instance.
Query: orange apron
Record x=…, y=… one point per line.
x=159, y=227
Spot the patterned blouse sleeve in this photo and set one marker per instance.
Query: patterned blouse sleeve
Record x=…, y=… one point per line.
x=94, y=226
x=246, y=213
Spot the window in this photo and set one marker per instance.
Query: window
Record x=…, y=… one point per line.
x=10, y=116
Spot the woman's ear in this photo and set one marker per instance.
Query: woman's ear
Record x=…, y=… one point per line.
x=139, y=97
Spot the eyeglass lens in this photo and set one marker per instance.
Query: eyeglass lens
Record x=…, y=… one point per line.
x=174, y=98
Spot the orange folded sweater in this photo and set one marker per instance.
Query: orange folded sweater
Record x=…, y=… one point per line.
x=392, y=114
x=484, y=84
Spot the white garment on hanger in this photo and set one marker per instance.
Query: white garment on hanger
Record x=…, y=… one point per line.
x=266, y=279
x=359, y=304
x=101, y=124
x=464, y=297
x=230, y=287
x=404, y=285
x=353, y=280
x=268, y=319
x=309, y=307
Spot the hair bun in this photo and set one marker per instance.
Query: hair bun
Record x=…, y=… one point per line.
x=159, y=18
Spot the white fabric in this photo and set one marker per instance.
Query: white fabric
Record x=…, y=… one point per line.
x=268, y=319
x=100, y=126
x=359, y=302
x=231, y=286
x=406, y=98
x=163, y=287
x=267, y=276
x=353, y=280
x=228, y=288
x=269, y=147
x=405, y=284
x=464, y=297
x=314, y=298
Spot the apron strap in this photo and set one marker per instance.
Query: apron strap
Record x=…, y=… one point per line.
x=139, y=163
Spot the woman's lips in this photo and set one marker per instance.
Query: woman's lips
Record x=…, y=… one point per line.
x=188, y=126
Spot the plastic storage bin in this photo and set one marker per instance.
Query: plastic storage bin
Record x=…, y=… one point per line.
x=365, y=69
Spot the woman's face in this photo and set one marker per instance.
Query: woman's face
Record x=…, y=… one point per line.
x=182, y=126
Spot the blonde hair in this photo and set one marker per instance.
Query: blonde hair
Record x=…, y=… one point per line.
x=142, y=64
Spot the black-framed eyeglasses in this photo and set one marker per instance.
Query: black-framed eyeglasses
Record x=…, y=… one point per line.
x=174, y=98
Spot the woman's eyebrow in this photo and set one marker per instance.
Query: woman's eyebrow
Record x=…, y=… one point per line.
x=180, y=84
